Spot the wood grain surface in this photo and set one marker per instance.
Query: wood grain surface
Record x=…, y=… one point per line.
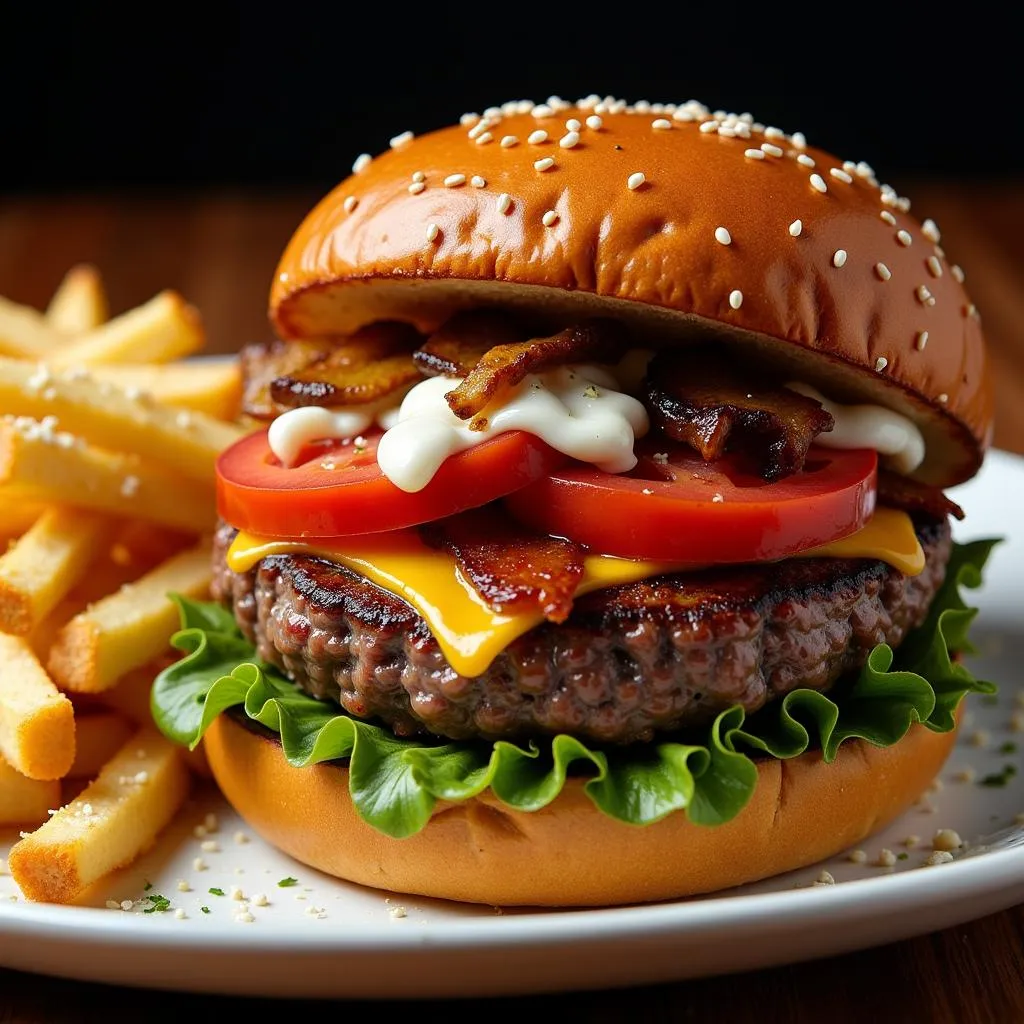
x=220, y=252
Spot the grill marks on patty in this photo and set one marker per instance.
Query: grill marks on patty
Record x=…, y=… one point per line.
x=629, y=663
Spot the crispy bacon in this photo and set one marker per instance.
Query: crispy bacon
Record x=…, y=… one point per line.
x=513, y=570
x=505, y=365
x=898, y=491
x=697, y=398
x=262, y=364
x=455, y=348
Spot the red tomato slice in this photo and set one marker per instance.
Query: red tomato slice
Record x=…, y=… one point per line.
x=338, y=489
x=687, y=510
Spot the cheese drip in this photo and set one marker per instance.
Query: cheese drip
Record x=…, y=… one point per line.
x=469, y=634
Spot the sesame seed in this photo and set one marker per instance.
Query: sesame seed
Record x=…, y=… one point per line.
x=825, y=878
x=722, y=235
x=113, y=905
x=903, y=237
x=771, y=132
x=947, y=839
x=542, y=110
x=179, y=913
x=595, y=123
x=361, y=163
x=796, y=227
x=418, y=176
x=244, y=917
x=708, y=126
x=771, y=149
x=717, y=498
x=129, y=486
x=886, y=858
x=921, y=340
x=454, y=180
x=635, y=180
x=934, y=266
x=478, y=129
x=930, y=230
x=857, y=857
x=549, y=218
x=504, y=203
x=839, y=258
x=887, y=217
x=957, y=271
x=807, y=161
x=350, y=203
x=397, y=913
x=736, y=298
x=883, y=271
x=400, y=140
x=911, y=841
x=840, y=175
x=818, y=183
x=210, y=846
x=943, y=398
x=573, y=125
x=881, y=363
x=482, y=140
x=754, y=154
x=939, y=857
x=416, y=188
x=569, y=140
x=537, y=137
x=662, y=124
x=477, y=182
x=922, y=293
x=543, y=164
x=126, y=905
x=183, y=886
x=237, y=894
x=199, y=864
x=432, y=232
x=468, y=119
x=508, y=141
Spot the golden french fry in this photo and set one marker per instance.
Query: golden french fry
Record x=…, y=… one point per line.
x=114, y=819
x=98, y=737
x=25, y=333
x=38, y=463
x=37, y=722
x=17, y=516
x=105, y=416
x=79, y=304
x=211, y=386
x=25, y=801
x=125, y=630
x=158, y=331
x=45, y=563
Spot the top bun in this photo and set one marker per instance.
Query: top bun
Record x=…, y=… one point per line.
x=681, y=221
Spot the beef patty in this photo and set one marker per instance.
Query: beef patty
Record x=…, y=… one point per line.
x=631, y=662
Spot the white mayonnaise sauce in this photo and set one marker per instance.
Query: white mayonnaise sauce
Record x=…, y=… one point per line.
x=575, y=409
x=869, y=426
x=296, y=428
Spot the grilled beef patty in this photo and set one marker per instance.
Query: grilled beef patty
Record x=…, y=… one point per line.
x=630, y=662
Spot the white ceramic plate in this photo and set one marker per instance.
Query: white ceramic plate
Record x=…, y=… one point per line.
x=322, y=937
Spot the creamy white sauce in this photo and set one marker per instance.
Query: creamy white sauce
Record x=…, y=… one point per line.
x=575, y=409
x=296, y=428
x=869, y=426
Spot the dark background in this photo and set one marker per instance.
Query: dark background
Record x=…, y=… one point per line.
x=226, y=95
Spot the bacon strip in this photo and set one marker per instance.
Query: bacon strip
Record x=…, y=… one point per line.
x=513, y=570
x=898, y=491
x=262, y=364
x=505, y=365
x=455, y=348
x=697, y=398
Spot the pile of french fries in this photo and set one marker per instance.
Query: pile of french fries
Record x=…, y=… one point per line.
x=108, y=439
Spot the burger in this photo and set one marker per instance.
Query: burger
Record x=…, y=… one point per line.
x=590, y=543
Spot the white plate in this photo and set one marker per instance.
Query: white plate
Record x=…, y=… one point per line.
x=322, y=937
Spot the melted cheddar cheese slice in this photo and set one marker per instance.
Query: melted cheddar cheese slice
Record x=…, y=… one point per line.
x=469, y=633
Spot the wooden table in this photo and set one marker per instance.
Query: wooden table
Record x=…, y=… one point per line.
x=220, y=252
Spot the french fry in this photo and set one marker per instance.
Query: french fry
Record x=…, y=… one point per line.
x=98, y=737
x=128, y=629
x=37, y=464
x=158, y=331
x=45, y=563
x=114, y=419
x=114, y=819
x=17, y=516
x=79, y=304
x=25, y=334
x=213, y=386
x=37, y=722
x=25, y=801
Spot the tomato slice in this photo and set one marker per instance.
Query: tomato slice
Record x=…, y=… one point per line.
x=687, y=510
x=338, y=489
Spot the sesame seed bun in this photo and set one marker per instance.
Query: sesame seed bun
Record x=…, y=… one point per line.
x=625, y=218
x=569, y=854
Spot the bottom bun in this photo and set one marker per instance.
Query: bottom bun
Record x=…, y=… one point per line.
x=569, y=853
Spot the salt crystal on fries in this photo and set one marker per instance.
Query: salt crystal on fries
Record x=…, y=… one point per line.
x=25, y=801
x=79, y=304
x=41, y=567
x=127, y=629
x=37, y=722
x=118, y=420
x=158, y=331
x=114, y=819
x=40, y=463
x=213, y=387
x=98, y=737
